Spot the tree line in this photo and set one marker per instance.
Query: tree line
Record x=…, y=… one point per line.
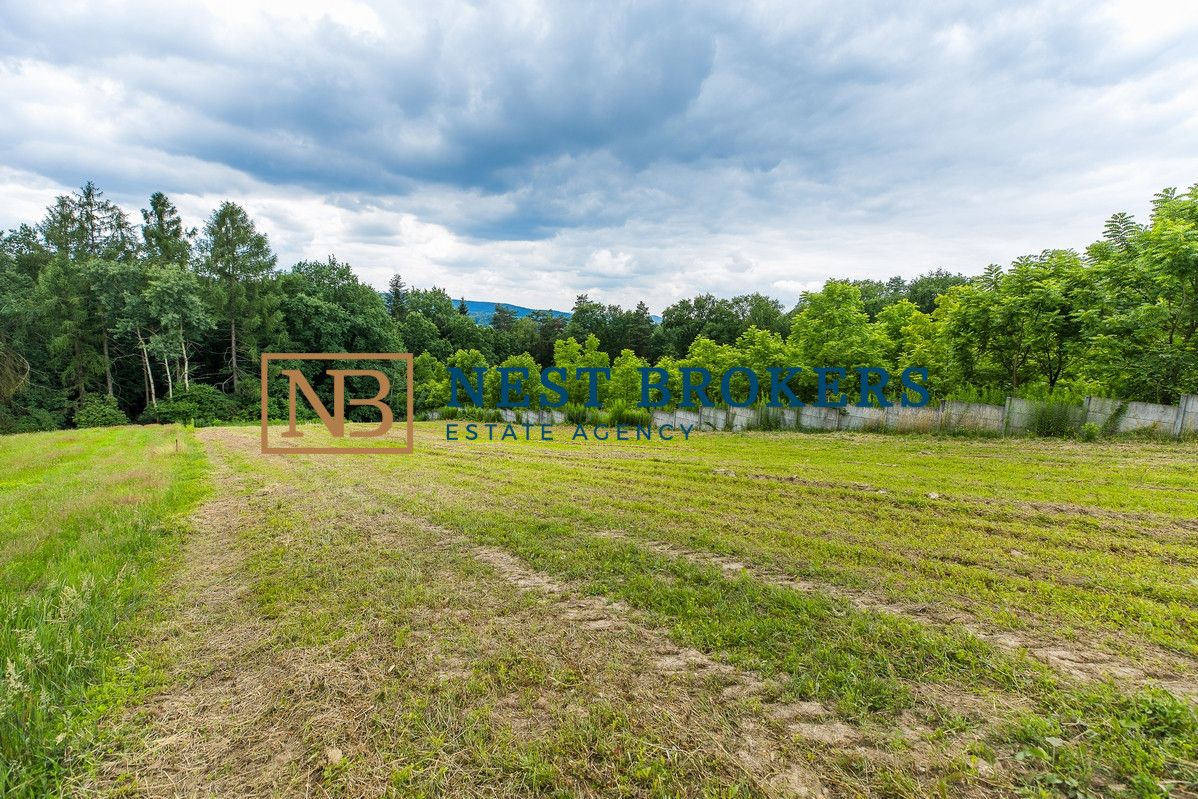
x=103, y=316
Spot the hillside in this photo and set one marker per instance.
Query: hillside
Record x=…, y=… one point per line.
x=481, y=311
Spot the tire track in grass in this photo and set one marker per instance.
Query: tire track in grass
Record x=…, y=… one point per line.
x=771, y=726
x=1078, y=655
x=759, y=754
x=758, y=749
x=1084, y=663
x=1084, y=586
x=1090, y=737
x=905, y=755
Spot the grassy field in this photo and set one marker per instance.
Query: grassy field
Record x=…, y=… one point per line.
x=735, y=615
x=87, y=519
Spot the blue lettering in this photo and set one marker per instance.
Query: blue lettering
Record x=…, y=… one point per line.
x=688, y=388
x=910, y=385
x=827, y=383
x=647, y=386
x=508, y=385
x=867, y=388
x=458, y=378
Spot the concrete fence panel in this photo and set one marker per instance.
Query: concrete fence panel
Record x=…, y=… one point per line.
x=814, y=418
x=1148, y=416
x=855, y=418
x=914, y=420
x=972, y=416
x=1187, y=415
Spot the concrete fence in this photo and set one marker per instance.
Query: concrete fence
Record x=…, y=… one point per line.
x=1012, y=418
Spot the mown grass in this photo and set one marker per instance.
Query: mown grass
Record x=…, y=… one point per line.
x=1089, y=538
x=473, y=687
x=1109, y=555
x=1091, y=542
x=86, y=519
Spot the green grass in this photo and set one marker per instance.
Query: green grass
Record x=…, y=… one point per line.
x=86, y=519
x=1103, y=535
x=360, y=581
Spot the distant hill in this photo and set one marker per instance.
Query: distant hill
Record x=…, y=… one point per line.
x=481, y=311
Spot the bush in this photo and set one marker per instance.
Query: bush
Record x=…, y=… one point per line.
x=1091, y=431
x=169, y=412
x=1055, y=419
x=577, y=413
x=620, y=412
x=470, y=413
x=99, y=410
x=34, y=409
x=200, y=404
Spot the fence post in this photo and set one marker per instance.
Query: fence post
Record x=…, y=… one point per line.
x=1006, y=415
x=1183, y=408
x=940, y=417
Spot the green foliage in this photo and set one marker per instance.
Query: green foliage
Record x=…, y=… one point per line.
x=200, y=405
x=99, y=410
x=34, y=408
x=471, y=413
x=91, y=304
x=68, y=601
x=1057, y=419
x=621, y=412
x=577, y=413
x=1091, y=431
x=1111, y=425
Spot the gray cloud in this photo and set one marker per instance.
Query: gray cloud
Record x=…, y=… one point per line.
x=641, y=150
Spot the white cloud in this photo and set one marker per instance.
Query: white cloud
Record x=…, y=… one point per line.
x=529, y=152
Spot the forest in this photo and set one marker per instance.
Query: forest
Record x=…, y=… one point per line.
x=105, y=318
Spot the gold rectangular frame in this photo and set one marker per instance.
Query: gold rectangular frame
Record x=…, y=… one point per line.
x=339, y=356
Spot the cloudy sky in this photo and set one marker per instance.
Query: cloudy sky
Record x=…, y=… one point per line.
x=526, y=153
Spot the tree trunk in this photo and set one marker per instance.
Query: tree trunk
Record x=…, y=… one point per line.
x=80, y=383
x=145, y=364
x=107, y=365
x=233, y=348
x=170, y=385
x=186, y=367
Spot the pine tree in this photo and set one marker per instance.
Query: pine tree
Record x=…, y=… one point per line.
x=238, y=260
x=397, y=297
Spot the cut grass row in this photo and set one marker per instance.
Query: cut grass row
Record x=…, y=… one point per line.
x=1126, y=579
x=462, y=683
x=338, y=571
x=86, y=520
x=552, y=511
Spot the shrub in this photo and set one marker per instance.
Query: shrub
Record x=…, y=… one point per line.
x=470, y=413
x=577, y=413
x=200, y=404
x=1056, y=419
x=33, y=409
x=99, y=410
x=1091, y=431
x=620, y=412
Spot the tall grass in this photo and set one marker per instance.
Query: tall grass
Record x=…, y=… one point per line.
x=87, y=516
x=1056, y=419
x=621, y=412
